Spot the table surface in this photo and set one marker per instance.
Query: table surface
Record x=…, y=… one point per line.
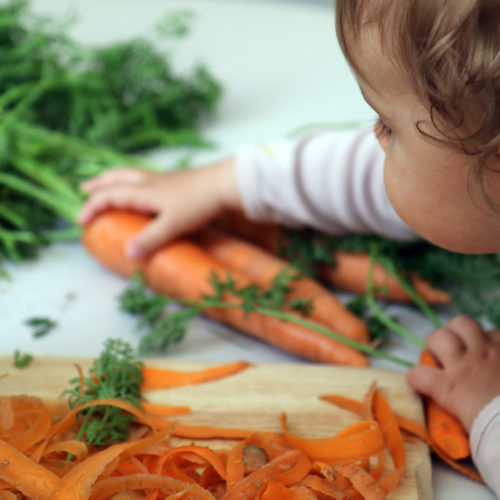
x=281, y=69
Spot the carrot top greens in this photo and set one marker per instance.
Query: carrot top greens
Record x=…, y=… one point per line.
x=115, y=374
x=68, y=112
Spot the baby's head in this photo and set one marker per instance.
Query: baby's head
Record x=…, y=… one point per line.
x=431, y=70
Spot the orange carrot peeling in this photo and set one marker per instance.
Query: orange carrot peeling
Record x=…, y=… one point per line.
x=161, y=378
x=15, y=467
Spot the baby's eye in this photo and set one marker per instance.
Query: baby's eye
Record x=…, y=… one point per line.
x=382, y=131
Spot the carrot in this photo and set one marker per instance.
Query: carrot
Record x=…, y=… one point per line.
x=161, y=378
x=351, y=269
x=260, y=267
x=15, y=467
x=351, y=272
x=444, y=429
x=182, y=270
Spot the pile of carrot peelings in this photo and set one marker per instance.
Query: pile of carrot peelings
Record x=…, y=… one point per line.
x=40, y=457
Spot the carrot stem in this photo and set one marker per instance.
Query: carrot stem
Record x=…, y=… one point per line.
x=370, y=298
x=214, y=303
x=410, y=290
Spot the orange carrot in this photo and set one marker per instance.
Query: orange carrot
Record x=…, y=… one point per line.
x=350, y=272
x=161, y=378
x=444, y=429
x=183, y=270
x=260, y=267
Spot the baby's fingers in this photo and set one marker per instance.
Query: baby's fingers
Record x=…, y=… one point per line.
x=425, y=379
x=122, y=197
x=155, y=234
x=127, y=175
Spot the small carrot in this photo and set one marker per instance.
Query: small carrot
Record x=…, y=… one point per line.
x=183, y=270
x=260, y=267
x=444, y=429
x=161, y=378
x=352, y=270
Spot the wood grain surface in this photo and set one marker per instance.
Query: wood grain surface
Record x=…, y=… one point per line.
x=255, y=398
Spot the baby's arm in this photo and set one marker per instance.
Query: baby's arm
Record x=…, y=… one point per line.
x=331, y=181
x=182, y=200
x=468, y=386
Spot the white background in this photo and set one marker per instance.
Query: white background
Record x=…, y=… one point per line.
x=281, y=69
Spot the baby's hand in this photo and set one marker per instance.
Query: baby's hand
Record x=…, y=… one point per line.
x=470, y=373
x=182, y=200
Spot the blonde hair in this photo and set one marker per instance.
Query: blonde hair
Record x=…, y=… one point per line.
x=450, y=50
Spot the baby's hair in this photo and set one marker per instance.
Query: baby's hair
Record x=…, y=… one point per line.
x=450, y=52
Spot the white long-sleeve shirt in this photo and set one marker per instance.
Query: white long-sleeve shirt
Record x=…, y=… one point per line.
x=334, y=182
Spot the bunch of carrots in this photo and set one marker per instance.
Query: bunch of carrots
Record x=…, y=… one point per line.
x=41, y=459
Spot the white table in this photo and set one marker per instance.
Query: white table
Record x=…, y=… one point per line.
x=281, y=68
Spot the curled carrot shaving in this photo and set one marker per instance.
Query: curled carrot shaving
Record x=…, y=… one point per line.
x=107, y=487
x=160, y=378
x=359, y=441
x=16, y=467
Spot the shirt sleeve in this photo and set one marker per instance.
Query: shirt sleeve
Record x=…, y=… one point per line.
x=485, y=444
x=330, y=181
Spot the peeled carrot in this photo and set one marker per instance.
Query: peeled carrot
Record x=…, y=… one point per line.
x=260, y=267
x=445, y=430
x=183, y=270
x=350, y=272
x=161, y=378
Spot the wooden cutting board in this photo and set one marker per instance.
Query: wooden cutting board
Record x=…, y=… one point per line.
x=255, y=398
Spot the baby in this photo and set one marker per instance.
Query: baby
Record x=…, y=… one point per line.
x=429, y=169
